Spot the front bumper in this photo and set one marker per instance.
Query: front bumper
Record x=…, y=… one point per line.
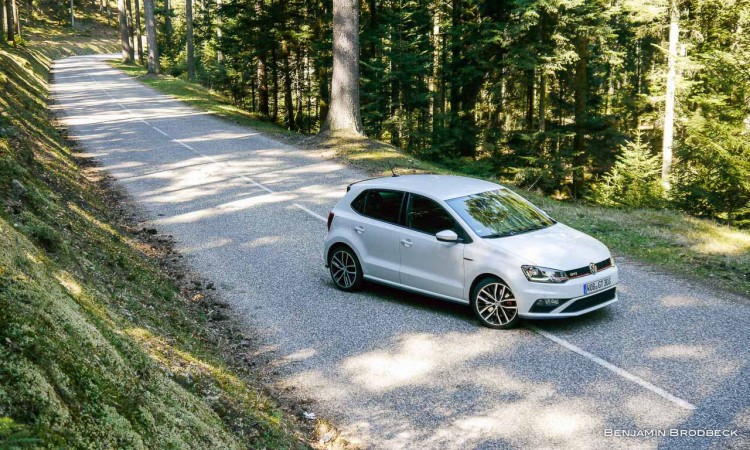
x=573, y=301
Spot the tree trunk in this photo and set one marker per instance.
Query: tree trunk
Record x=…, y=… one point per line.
x=288, y=102
x=72, y=15
x=219, y=55
x=454, y=100
x=275, y=79
x=153, y=47
x=168, y=26
x=530, y=99
x=674, y=34
x=9, y=21
x=131, y=28
x=542, y=99
x=436, y=99
x=138, y=37
x=262, y=86
x=343, y=114
x=324, y=94
x=16, y=19
x=579, y=140
x=189, y=38
x=124, y=36
x=2, y=20
x=396, y=95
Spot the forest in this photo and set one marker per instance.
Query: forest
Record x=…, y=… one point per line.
x=626, y=103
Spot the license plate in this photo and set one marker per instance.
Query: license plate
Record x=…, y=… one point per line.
x=597, y=285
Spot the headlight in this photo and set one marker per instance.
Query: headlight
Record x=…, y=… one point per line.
x=544, y=274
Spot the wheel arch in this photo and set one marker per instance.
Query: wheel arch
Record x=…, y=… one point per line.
x=481, y=277
x=339, y=244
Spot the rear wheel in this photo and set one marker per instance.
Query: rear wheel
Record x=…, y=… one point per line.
x=494, y=304
x=346, y=272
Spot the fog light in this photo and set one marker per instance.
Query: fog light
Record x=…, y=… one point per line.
x=545, y=305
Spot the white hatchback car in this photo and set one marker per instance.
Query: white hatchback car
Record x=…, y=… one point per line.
x=468, y=241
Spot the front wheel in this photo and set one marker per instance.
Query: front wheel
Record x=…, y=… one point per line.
x=494, y=304
x=345, y=269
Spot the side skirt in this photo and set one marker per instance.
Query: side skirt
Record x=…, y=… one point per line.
x=418, y=291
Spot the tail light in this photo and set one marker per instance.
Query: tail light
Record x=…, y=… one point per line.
x=330, y=220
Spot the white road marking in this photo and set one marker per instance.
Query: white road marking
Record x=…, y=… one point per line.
x=560, y=341
x=310, y=212
x=213, y=160
x=191, y=148
x=165, y=134
x=609, y=366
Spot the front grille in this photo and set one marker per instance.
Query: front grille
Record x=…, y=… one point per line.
x=583, y=271
x=591, y=301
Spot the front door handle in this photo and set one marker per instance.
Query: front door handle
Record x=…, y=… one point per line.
x=360, y=229
x=406, y=243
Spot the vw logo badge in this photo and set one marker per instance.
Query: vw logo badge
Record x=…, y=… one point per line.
x=592, y=268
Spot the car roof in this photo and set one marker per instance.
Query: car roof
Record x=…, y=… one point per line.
x=443, y=187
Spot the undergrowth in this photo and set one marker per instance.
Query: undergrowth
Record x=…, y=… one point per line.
x=98, y=347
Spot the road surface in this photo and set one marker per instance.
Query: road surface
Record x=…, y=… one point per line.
x=395, y=370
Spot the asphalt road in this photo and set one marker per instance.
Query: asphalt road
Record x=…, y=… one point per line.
x=395, y=370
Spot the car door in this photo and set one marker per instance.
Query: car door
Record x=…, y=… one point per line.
x=427, y=263
x=375, y=232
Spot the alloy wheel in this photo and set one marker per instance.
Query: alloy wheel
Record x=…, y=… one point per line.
x=343, y=269
x=496, y=305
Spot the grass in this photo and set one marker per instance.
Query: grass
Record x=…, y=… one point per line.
x=99, y=348
x=700, y=249
x=198, y=96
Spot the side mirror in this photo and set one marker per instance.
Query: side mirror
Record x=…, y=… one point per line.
x=447, y=236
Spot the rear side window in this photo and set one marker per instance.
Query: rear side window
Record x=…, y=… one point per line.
x=428, y=216
x=359, y=203
x=379, y=204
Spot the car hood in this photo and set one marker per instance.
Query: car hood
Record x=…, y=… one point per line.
x=556, y=247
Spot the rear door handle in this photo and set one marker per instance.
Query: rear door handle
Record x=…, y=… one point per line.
x=360, y=229
x=406, y=242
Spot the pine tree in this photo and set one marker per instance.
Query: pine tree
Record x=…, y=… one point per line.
x=634, y=180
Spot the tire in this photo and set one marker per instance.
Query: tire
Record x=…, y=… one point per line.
x=485, y=299
x=345, y=269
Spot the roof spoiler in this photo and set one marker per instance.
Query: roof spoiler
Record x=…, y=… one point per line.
x=349, y=187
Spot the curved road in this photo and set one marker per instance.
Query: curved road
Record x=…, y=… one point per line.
x=395, y=370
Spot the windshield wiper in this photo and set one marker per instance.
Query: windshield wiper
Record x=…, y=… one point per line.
x=495, y=236
x=513, y=233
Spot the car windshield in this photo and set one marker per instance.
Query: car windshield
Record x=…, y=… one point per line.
x=499, y=213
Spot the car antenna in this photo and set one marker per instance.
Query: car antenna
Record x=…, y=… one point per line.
x=393, y=170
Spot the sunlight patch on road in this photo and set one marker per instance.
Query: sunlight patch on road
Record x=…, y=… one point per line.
x=695, y=352
x=677, y=301
x=226, y=208
x=416, y=357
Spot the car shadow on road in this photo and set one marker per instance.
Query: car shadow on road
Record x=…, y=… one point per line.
x=594, y=318
x=419, y=301
x=464, y=314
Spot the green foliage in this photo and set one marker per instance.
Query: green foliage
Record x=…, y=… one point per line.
x=472, y=80
x=97, y=347
x=634, y=179
x=56, y=10
x=42, y=234
x=14, y=436
x=712, y=176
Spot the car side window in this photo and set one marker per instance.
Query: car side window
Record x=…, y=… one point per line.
x=428, y=216
x=380, y=204
x=358, y=204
